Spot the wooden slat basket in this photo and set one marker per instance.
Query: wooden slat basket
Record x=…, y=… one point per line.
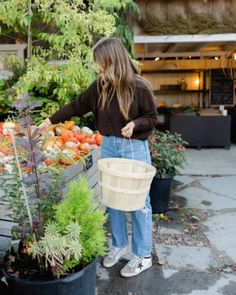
x=124, y=183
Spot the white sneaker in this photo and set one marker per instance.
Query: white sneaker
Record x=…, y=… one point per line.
x=135, y=266
x=114, y=255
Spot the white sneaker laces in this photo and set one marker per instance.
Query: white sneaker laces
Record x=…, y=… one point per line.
x=114, y=251
x=134, y=262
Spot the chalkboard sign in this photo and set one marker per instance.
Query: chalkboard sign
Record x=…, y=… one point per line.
x=221, y=88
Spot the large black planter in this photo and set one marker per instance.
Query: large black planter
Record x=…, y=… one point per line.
x=160, y=192
x=80, y=283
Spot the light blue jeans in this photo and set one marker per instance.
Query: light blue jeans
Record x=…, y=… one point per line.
x=116, y=147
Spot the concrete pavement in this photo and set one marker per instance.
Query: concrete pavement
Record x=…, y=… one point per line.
x=196, y=241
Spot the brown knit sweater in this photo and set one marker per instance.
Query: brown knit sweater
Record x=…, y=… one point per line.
x=110, y=121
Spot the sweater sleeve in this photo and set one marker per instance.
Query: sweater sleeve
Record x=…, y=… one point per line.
x=85, y=103
x=148, y=113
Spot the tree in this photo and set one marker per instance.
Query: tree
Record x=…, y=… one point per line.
x=123, y=28
x=58, y=30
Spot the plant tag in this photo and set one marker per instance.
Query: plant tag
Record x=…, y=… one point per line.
x=89, y=162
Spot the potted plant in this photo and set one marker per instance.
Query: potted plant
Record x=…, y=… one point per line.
x=60, y=234
x=168, y=155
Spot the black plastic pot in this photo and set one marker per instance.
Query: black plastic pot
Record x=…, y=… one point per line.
x=160, y=192
x=3, y=286
x=80, y=283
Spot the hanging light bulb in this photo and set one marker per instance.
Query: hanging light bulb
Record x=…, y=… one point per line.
x=197, y=82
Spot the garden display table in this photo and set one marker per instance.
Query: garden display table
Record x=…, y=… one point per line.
x=71, y=173
x=202, y=131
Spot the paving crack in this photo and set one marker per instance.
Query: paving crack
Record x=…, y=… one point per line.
x=197, y=184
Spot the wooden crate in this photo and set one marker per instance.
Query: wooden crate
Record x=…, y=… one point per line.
x=89, y=171
x=74, y=172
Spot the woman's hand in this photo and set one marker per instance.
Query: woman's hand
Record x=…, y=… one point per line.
x=127, y=131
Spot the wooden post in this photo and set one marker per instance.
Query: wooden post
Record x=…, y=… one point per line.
x=29, y=42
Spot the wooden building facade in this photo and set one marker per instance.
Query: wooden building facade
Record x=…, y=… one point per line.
x=187, y=50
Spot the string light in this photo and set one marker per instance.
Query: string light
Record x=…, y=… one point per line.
x=157, y=58
x=197, y=81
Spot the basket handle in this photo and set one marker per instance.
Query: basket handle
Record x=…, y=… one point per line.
x=131, y=146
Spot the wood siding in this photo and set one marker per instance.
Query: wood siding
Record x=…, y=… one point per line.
x=166, y=9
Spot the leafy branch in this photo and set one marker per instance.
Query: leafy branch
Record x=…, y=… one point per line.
x=21, y=181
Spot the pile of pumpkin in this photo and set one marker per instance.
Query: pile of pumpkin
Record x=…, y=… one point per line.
x=62, y=144
x=67, y=143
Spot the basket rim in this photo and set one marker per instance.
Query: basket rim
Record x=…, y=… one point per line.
x=124, y=174
x=119, y=207
x=125, y=191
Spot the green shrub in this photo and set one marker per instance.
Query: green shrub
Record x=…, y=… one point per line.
x=76, y=235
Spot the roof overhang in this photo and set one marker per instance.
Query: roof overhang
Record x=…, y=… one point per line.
x=184, y=45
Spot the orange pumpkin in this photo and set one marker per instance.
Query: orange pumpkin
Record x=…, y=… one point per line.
x=0, y=127
x=90, y=140
x=81, y=137
x=48, y=162
x=83, y=148
x=98, y=139
x=66, y=135
x=69, y=124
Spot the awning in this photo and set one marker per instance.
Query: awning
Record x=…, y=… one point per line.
x=168, y=46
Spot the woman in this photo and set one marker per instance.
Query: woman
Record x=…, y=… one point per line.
x=123, y=108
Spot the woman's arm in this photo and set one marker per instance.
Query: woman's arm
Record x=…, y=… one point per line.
x=80, y=106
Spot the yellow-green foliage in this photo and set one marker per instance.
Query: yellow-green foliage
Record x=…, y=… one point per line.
x=57, y=30
x=75, y=236
x=79, y=207
x=61, y=30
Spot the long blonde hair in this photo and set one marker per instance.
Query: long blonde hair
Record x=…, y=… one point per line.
x=119, y=73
